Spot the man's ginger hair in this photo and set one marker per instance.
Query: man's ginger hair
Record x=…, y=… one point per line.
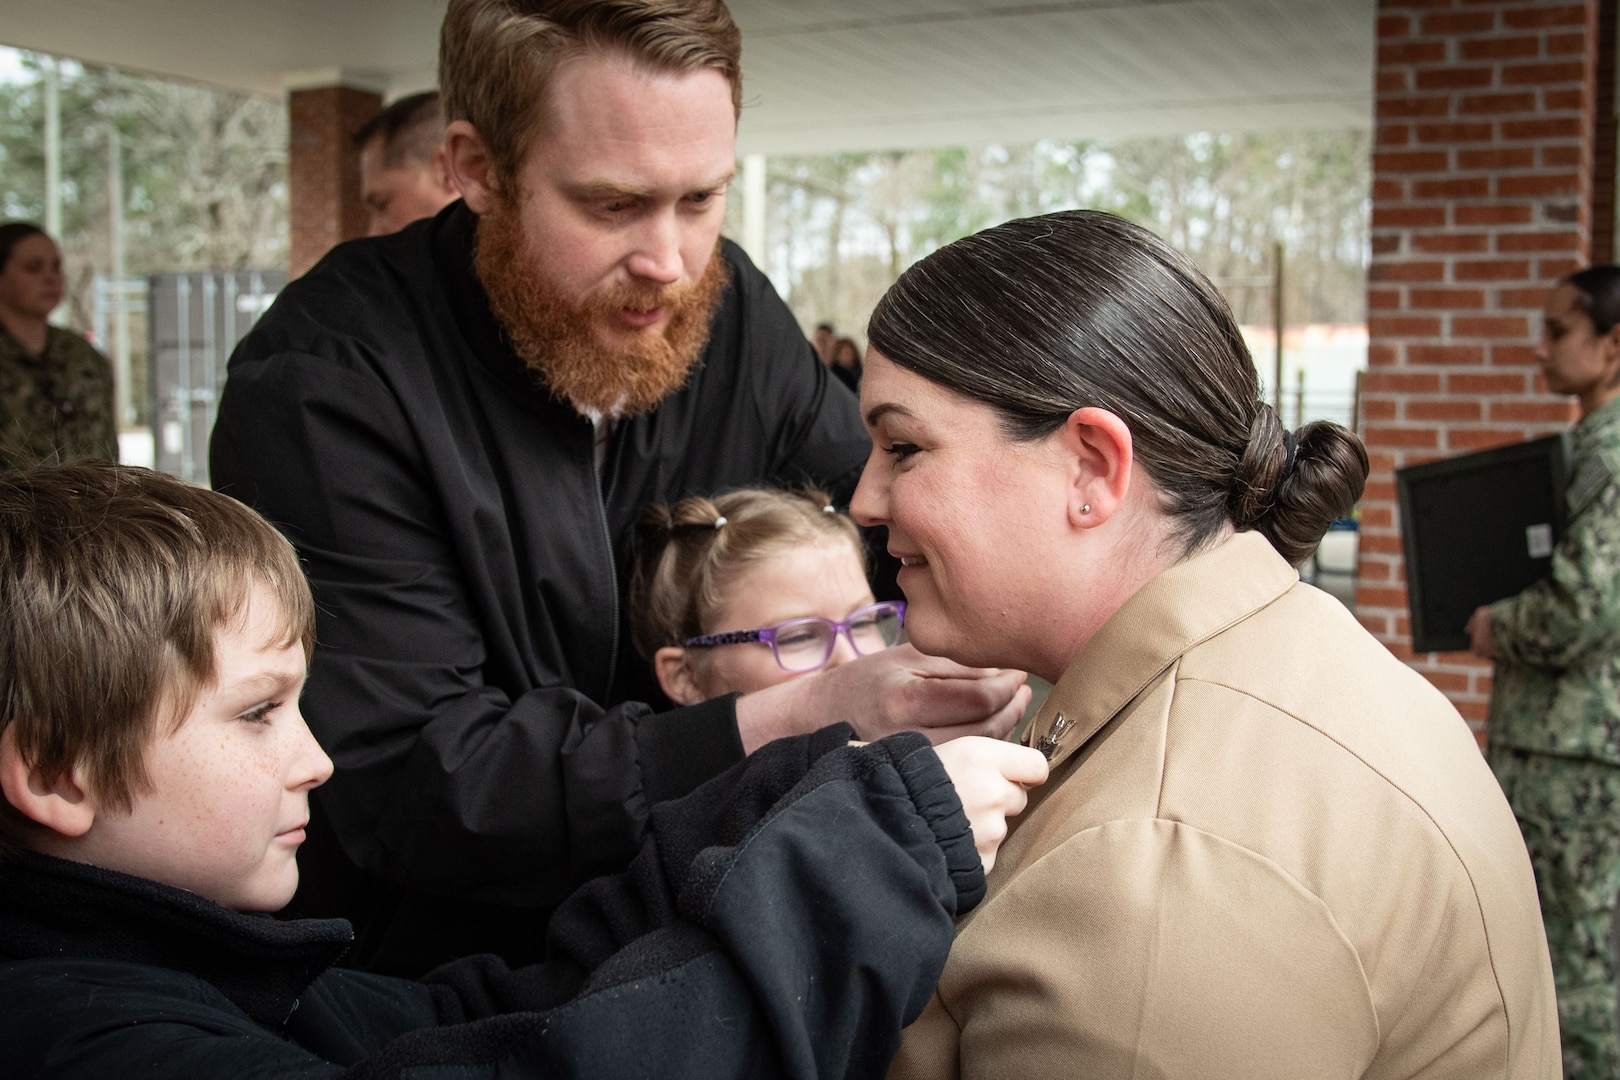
x=496, y=57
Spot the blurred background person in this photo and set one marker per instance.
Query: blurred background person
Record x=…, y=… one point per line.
x=1554, y=731
x=846, y=363
x=56, y=390
x=402, y=172
x=823, y=339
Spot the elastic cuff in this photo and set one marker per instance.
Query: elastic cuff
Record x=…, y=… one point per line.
x=830, y=738
x=935, y=797
x=682, y=748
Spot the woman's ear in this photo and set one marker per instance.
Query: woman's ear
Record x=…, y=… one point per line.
x=467, y=160
x=61, y=804
x=675, y=675
x=1100, y=445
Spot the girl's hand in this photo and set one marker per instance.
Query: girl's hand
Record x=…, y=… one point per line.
x=990, y=778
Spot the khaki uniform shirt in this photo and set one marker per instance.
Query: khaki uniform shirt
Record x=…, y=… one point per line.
x=1557, y=683
x=1267, y=849
x=57, y=406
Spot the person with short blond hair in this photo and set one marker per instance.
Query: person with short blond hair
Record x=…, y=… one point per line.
x=403, y=177
x=458, y=426
x=155, y=773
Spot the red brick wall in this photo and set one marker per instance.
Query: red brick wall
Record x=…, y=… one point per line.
x=1482, y=197
x=1603, y=151
x=323, y=170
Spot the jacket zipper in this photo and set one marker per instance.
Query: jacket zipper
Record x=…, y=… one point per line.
x=602, y=497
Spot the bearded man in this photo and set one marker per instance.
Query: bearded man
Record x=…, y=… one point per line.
x=458, y=425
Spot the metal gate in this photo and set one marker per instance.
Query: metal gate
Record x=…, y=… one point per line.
x=193, y=322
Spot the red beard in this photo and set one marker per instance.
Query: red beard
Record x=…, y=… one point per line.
x=557, y=336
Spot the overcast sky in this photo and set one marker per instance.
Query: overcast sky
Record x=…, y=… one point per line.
x=11, y=69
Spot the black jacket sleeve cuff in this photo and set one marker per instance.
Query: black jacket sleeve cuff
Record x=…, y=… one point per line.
x=935, y=797
x=682, y=748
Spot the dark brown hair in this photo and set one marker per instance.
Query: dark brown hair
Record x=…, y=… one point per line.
x=113, y=582
x=496, y=56
x=686, y=565
x=11, y=234
x=1597, y=291
x=1045, y=315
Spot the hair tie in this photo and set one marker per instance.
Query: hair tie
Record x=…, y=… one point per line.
x=1291, y=446
x=719, y=522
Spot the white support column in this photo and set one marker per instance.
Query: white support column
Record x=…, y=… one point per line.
x=53, y=152
x=53, y=168
x=115, y=228
x=754, y=208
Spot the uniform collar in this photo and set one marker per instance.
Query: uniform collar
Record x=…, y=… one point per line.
x=9, y=344
x=1189, y=603
x=1599, y=423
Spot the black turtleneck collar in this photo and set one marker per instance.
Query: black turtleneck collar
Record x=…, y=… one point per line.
x=54, y=908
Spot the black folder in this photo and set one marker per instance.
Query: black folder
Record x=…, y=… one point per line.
x=1478, y=528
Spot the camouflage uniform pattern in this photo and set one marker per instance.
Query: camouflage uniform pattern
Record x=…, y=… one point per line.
x=1555, y=743
x=57, y=406
x=1569, y=812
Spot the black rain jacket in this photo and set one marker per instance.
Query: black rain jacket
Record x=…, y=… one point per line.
x=473, y=678
x=784, y=920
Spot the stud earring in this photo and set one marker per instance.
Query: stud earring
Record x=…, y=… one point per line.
x=1086, y=509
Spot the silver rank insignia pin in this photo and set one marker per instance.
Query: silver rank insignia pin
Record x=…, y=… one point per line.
x=1048, y=744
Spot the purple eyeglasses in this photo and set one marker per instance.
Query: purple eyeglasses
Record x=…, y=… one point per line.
x=807, y=644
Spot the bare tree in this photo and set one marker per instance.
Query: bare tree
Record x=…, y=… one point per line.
x=843, y=228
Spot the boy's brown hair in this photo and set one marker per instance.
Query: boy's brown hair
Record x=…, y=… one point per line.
x=496, y=57
x=113, y=581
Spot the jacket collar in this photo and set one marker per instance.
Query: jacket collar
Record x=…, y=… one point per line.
x=54, y=908
x=1187, y=604
x=454, y=235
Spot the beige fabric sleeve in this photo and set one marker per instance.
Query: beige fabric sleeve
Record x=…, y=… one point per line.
x=1146, y=948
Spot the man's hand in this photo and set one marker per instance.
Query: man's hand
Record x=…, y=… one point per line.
x=1480, y=641
x=898, y=689
x=990, y=777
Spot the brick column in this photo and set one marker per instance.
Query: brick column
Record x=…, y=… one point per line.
x=1603, y=151
x=323, y=170
x=1482, y=197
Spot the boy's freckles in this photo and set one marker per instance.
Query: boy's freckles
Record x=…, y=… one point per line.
x=229, y=794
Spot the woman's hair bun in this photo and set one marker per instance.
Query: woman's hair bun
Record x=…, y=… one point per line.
x=1290, y=486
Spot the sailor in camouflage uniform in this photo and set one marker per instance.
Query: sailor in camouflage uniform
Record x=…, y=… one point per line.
x=56, y=390
x=1555, y=705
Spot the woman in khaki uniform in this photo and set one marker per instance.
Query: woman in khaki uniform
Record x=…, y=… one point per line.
x=1267, y=848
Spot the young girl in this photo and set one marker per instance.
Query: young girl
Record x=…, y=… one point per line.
x=750, y=589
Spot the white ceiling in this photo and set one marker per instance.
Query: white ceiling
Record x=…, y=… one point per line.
x=824, y=75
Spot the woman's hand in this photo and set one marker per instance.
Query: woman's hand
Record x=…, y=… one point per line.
x=990, y=778
x=1480, y=641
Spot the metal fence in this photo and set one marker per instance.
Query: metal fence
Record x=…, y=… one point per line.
x=193, y=322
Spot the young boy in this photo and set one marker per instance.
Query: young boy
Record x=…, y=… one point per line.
x=786, y=919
